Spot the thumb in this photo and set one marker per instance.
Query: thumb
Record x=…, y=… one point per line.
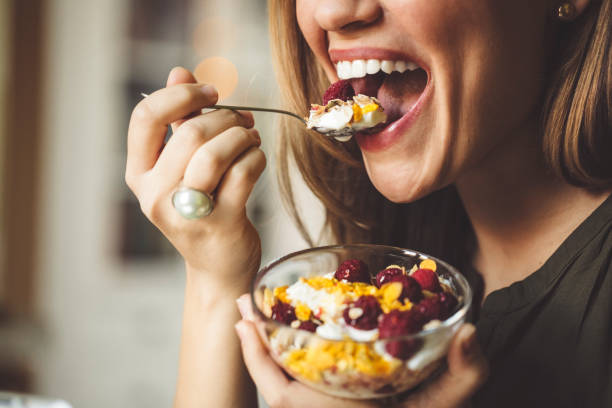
x=179, y=75
x=467, y=371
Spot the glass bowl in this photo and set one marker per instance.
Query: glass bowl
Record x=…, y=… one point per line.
x=349, y=368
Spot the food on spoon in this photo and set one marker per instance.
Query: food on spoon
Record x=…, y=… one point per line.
x=343, y=113
x=363, y=326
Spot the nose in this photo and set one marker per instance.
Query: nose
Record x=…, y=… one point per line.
x=346, y=15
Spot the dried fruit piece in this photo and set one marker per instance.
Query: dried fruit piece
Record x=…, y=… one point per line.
x=353, y=270
x=427, y=279
x=412, y=289
x=283, y=312
x=428, y=264
x=339, y=90
x=385, y=275
x=368, y=318
x=309, y=325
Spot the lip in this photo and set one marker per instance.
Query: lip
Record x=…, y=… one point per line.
x=390, y=134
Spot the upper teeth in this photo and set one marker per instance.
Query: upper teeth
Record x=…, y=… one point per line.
x=359, y=68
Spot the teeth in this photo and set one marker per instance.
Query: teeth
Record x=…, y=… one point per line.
x=411, y=66
x=359, y=68
x=344, y=70
x=387, y=67
x=372, y=66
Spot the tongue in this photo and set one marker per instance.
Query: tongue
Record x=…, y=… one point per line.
x=397, y=92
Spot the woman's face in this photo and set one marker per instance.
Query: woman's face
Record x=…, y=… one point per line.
x=478, y=84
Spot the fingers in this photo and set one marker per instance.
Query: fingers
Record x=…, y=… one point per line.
x=190, y=136
x=179, y=75
x=467, y=371
x=212, y=159
x=271, y=381
x=268, y=376
x=150, y=118
x=239, y=180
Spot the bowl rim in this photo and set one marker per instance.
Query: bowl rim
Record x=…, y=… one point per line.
x=448, y=322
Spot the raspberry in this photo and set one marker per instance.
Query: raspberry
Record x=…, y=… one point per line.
x=353, y=270
x=398, y=323
x=308, y=325
x=385, y=276
x=339, y=90
x=429, y=309
x=439, y=307
x=412, y=289
x=448, y=302
x=363, y=314
x=427, y=279
x=403, y=349
x=283, y=313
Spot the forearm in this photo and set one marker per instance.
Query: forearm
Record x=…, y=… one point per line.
x=211, y=369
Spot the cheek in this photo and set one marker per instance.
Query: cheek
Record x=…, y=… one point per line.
x=312, y=32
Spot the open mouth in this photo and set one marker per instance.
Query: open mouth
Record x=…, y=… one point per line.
x=396, y=84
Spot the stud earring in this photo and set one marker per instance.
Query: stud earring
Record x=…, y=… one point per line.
x=566, y=11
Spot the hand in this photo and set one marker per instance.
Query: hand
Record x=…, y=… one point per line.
x=467, y=371
x=216, y=152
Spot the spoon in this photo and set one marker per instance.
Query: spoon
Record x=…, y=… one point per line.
x=342, y=134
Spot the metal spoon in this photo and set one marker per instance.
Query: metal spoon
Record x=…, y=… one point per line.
x=342, y=135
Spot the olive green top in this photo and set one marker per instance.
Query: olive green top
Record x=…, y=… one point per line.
x=548, y=338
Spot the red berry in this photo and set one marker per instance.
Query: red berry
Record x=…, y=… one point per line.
x=399, y=323
x=385, y=275
x=427, y=279
x=403, y=349
x=339, y=90
x=353, y=270
x=429, y=309
x=283, y=312
x=439, y=307
x=448, y=302
x=370, y=310
x=308, y=325
x=411, y=290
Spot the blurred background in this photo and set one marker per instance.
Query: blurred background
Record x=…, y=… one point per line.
x=90, y=293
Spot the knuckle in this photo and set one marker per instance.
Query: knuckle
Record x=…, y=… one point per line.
x=190, y=133
x=130, y=181
x=185, y=94
x=211, y=160
x=142, y=112
x=278, y=400
x=238, y=132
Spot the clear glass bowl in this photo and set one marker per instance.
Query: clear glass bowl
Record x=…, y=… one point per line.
x=349, y=368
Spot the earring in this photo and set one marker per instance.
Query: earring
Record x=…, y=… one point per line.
x=566, y=11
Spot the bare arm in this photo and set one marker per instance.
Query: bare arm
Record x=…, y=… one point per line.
x=211, y=369
x=218, y=153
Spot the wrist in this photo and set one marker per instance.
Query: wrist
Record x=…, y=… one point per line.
x=216, y=285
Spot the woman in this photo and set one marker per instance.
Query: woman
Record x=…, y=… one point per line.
x=497, y=160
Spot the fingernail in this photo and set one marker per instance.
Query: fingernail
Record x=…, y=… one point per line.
x=255, y=134
x=242, y=308
x=470, y=343
x=239, y=327
x=209, y=91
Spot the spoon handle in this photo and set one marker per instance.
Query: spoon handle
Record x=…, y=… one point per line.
x=253, y=108
x=250, y=108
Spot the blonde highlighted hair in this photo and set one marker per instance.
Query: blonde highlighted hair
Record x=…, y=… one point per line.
x=576, y=129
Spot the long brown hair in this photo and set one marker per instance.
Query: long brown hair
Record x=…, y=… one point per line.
x=577, y=126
